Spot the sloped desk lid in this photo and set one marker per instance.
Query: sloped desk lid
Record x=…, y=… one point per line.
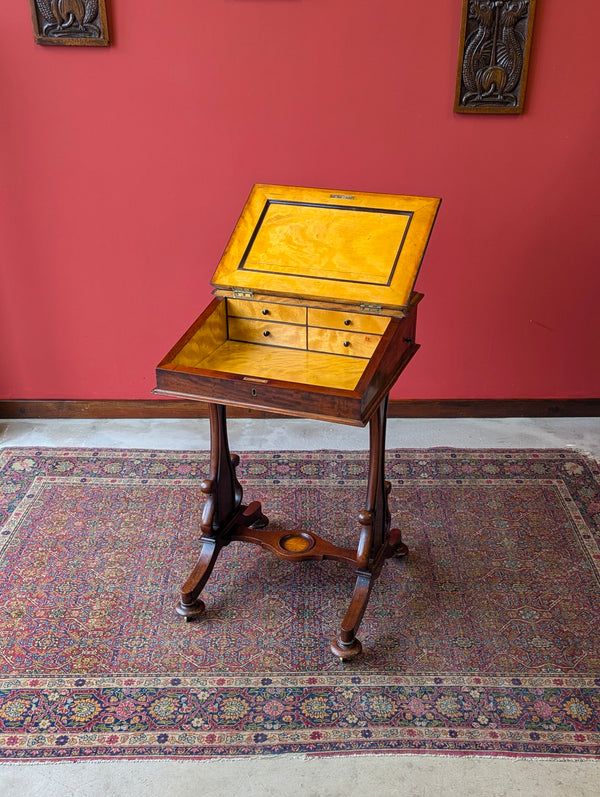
x=328, y=246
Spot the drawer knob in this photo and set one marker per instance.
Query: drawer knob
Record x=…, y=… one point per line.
x=346, y=343
x=347, y=322
x=266, y=333
x=265, y=311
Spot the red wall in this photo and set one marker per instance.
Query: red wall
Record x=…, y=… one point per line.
x=123, y=171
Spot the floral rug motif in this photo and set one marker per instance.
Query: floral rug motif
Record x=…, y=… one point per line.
x=485, y=639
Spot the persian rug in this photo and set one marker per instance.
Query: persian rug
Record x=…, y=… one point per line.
x=485, y=639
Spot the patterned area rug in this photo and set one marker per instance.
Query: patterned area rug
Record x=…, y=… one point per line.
x=485, y=639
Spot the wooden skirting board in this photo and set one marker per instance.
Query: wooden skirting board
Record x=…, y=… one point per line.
x=398, y=408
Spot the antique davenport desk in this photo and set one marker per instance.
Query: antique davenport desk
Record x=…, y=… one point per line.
x=314, y=316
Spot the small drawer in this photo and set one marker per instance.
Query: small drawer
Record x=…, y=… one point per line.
x=248, y=331
x=354, y=344
x=353, y=322
x=268, y=311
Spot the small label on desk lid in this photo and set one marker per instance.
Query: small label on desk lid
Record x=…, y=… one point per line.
x=305, y=243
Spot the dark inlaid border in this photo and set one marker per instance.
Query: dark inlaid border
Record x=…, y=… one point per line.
x=269, y=202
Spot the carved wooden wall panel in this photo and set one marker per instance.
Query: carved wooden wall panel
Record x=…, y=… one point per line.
x=70, y=22
x=495, y=42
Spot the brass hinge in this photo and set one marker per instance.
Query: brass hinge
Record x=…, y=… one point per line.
x=370, y=308
x=243, y=293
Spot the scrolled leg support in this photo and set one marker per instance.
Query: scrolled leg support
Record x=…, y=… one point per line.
x=346, y=646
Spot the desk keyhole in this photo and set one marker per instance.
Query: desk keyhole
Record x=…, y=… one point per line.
x=254, y=391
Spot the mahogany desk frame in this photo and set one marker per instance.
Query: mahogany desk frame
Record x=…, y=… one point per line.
x=314, y=262
x=226, y=519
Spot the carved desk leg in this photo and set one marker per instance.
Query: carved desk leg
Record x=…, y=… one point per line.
x=377, y=541
x=223, y=513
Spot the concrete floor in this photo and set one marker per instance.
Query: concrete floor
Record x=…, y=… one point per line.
x=282, y=434
x=373, y=775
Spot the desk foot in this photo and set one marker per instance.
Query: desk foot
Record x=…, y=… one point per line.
x=346, y=652
x=395, y=547
x=252, y=517
x=190, y=611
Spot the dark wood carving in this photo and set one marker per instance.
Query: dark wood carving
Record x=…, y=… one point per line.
x=495, y=42
x=70, y=22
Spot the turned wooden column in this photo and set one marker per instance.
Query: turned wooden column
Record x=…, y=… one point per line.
x=377, y=542
x=222, y=515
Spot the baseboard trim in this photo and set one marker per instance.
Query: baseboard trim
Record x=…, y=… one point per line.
x=398, y=408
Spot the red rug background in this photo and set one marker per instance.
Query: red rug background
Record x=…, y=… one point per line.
x=484, y=639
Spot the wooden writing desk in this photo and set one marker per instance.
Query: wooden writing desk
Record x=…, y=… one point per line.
x=314, y=317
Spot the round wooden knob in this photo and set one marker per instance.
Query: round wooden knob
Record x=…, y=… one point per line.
x=365, y=518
